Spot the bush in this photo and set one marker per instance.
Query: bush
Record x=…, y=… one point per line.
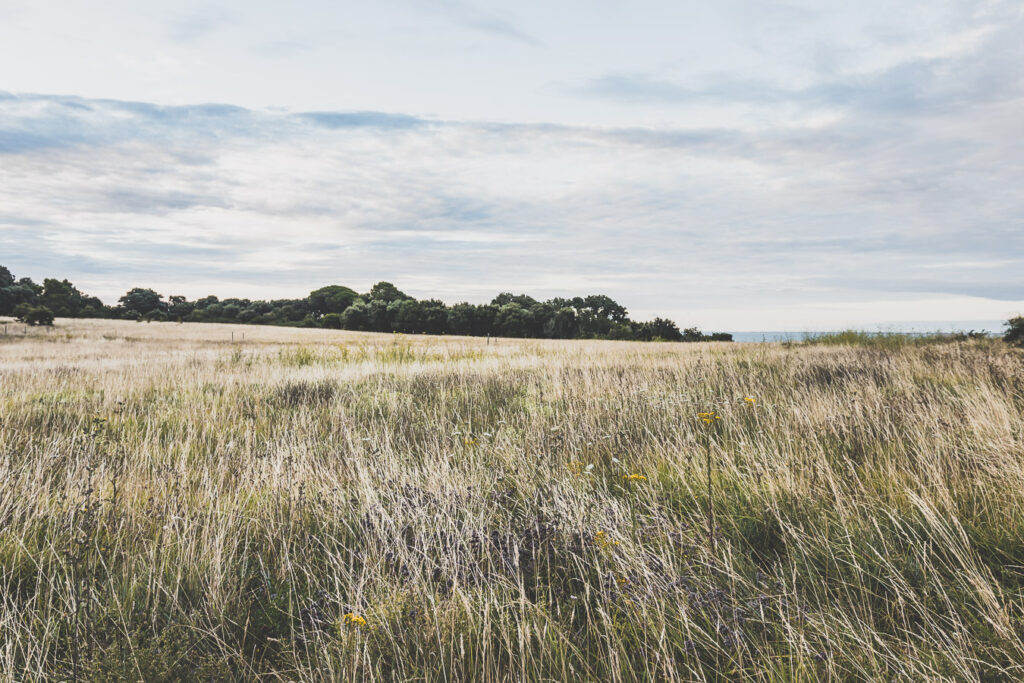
x=1015, y=331
x=33, y=315
x=331, y=321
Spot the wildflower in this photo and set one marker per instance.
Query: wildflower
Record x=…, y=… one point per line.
x=470, y=441
x=708, y=417
x=353, y=619
x=601, y=540
x=634, y=477
x=748, y=400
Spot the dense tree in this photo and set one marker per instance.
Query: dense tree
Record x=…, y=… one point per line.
x=461, y=318
x=33, y=315
x=662, y=329
x=385, y=308
x=692, y=334
x=13, y=292
x=331, y=299
x=604, y=307
x=139, y=302
x=331, y=321
x=562, y=323
x=406, y=315
x=9, y=299
x=513, y=320
x=386, y=292
x=508, y=298
x=1015, y=331
x=380, y=316
x=356, y=317
x=435, y=317
x=178, y=307
x=63, y=298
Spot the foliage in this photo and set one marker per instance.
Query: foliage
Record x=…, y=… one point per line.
x=331, y=321
x=386, y=292
x=385, y=308
x=33, y=315
x=1015, y=331
x=331, y=299
x=16, y=292
x=64, y=299
x=139, y=302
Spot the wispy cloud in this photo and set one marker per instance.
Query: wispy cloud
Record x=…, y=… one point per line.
x=794, y=223
x=975, y=65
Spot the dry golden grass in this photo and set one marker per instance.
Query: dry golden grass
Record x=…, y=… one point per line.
x=315, y=505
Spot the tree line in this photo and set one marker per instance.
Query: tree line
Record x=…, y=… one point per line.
x=385, y=308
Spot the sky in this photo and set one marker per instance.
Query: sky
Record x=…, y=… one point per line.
x=739, y=165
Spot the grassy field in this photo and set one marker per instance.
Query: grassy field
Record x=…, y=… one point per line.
x=315, y=505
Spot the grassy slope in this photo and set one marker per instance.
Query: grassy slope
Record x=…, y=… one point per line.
x=173, y=505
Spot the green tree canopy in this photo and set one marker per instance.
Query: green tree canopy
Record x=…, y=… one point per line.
x=62, y=297
x=1015, y=331
x=33, y=315
x=331, y=299
x=385, y=308
x=386, y=292
x=140, y=302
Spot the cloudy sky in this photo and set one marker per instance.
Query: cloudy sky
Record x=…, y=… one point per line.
x=735, y=164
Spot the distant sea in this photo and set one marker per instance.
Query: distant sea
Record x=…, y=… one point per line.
x=897, y=327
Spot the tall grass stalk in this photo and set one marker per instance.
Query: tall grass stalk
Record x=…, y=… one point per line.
x=319, y=505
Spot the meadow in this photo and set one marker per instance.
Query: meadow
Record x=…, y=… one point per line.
x=180, y=502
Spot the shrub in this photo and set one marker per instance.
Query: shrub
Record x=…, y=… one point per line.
x=1015, y=331
x=331, y=321
x=33, y=315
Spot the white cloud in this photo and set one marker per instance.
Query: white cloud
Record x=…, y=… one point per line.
x=728, y=173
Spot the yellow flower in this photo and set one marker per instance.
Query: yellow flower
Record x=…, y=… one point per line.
x=353, y=619
x=748, y=399
x=470, y=441
x=634, y=477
